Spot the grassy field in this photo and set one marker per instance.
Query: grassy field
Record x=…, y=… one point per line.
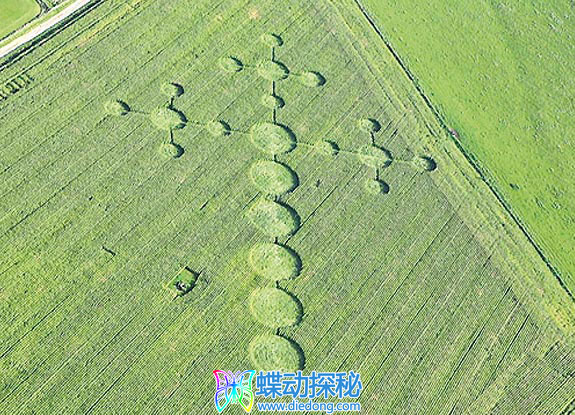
x=183, y=192
x=507, y=92
x=15, y=13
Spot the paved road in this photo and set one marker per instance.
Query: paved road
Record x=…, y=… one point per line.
x=41, y=28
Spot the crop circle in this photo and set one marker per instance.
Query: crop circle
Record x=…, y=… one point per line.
x=218, y=128
x=271, y=39
x=172, y=90
x=373, y=156
x=274, y=262
x=116, y=107
x=172, y=150
x=273, y=178
x=374, y=186
x=273, y=307
x=272, y=101
x=273, y=218
x=272, y=70
x=272, y=138
x=231, y=64
x=426, y=163
x=326, y=147
x=369, y=125
x=311, y=79
x=166, y=118
x=270, y=352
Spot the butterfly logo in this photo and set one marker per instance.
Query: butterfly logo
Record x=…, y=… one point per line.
x=234, y=388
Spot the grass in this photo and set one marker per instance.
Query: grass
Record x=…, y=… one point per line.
x=430, y=291
x=506, y=92
x=16, y=13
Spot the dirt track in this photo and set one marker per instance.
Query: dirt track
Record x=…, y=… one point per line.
x=41, y=28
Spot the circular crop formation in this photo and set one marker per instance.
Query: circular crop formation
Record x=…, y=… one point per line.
x=271, y=40
x=116, y=107
x=326, y=147
x=272, y=138
x=172, y=90
x=426, y=163
x=273, y=178
x=311, y=79
x=274, y=308
x=172, y=150
x=274, y=219
x=271, y=352
x=375, y=186
x=166, y=118
x=274, y=262
x=272, y=101
x=373, y=156
x=218, y=128
x=231, y=64
x=369, y=125
x=272, y=70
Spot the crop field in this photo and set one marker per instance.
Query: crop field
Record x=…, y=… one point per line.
x=507, y=92
x=15, y=13
x=195, y=185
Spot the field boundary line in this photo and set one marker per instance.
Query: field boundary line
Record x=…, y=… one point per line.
x=475, y=164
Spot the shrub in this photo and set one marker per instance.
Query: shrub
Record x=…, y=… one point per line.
x=172, y=150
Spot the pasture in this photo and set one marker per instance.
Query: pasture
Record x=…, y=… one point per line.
x=198, y=185
x=499, y=74
x=16, y=13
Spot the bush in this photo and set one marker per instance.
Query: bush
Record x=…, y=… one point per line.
x=172, y=90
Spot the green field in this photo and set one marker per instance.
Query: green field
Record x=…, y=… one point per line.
x=183, y=192
x=16, y=13
x=500, y=74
